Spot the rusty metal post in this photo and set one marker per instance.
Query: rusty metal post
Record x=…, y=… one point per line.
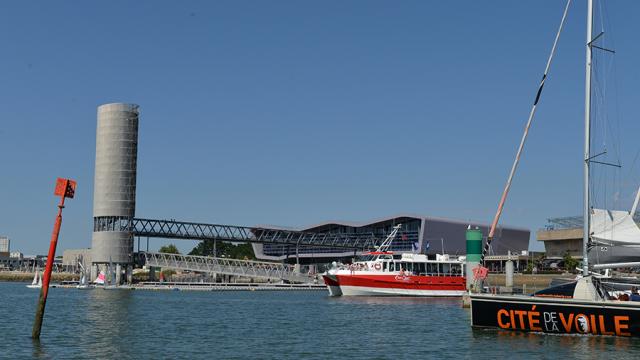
x=65, y=188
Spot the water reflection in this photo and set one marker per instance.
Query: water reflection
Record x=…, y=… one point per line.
x=397, y=300
x=267, y=325
x=574, y=343
x=39, y=350
x=107, y=318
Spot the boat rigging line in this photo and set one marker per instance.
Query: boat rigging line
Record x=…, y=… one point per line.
x=507, y=187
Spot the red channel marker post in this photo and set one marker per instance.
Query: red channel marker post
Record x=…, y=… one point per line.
x=65, y=188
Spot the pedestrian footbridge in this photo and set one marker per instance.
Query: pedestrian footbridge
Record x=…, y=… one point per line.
x=226, y=266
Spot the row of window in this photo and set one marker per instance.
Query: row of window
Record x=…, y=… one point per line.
x=404, y=243
x=409, y=226
x=420, y=268
x=111, y=223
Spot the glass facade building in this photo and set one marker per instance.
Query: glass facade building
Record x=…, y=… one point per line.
x=418, y=234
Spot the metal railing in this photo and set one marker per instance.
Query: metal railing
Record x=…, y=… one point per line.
x=172, y=229
x=226, y=266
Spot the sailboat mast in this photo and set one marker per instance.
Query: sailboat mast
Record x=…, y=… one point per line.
x=635, y=204
x=516, y=161
x=587, y=141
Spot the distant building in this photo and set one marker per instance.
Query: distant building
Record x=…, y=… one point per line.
x=419, y=234
x=9, y=260
x=4, y=253
x=4, y=244
x=563, y=236
x=73, y=257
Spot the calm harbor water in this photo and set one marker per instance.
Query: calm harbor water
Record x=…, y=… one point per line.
x=267, y=325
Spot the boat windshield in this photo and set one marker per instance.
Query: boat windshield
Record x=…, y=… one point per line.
x=371, y=257
x=362, y=258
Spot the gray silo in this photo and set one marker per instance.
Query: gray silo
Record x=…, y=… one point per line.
x=114, y=194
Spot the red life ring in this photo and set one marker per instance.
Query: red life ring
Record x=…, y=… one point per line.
x=377, y=266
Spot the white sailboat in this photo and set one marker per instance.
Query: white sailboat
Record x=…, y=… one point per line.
x=83, y=279
x=83, y=285
x=583, y=306
x=36, y=283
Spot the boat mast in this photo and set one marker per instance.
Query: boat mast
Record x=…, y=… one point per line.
x=516, y=161
x=635, y=204
x=587, y=141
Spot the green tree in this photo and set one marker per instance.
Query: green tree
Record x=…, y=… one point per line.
x=226, y=249
x=569, y=262
x=529, y=267
x=167, y=274
x=539, y=262
x=169, y=249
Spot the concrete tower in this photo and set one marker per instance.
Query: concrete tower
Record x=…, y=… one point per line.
x=114, y=194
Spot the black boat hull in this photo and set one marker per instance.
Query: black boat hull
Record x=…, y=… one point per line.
x=556, y=316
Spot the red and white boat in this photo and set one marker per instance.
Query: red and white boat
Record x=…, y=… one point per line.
x=385, y=273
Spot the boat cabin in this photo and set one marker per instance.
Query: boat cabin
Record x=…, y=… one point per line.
x=418, y=264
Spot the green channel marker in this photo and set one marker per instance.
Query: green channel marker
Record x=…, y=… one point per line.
x=474, y=245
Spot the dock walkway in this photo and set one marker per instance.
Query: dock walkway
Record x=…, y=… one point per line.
x=226, y=266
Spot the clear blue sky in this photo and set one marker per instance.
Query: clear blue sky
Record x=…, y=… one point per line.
x=293, y=113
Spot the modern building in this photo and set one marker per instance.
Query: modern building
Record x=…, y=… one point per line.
x=563, y=235
x=114, y=193
x=420, y=234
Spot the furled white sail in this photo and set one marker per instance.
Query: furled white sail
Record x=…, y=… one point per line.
x=614, y=227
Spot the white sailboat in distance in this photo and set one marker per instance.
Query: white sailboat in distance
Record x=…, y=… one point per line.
x=37, y=281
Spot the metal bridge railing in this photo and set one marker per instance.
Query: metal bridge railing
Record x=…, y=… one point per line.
x=172, y=229
x=226, y=266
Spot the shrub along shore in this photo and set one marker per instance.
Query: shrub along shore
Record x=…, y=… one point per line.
x=20, y=276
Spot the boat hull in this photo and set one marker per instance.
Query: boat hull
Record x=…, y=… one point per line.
x=556, y=315
x=613, y=254
x=377, y=291
x=332, y=285
x=394, y=285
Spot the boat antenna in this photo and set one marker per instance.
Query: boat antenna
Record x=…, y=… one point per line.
x=516, y=161
x=387, y=242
